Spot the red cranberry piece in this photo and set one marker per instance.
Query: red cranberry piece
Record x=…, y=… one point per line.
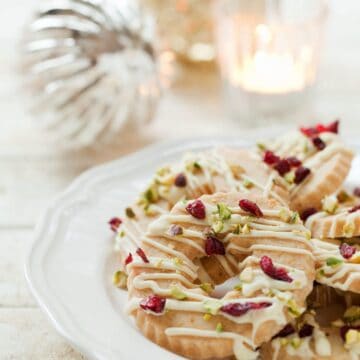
x=355, y=208
x=293, y=161
x=196, y=209
x=236, y=309
x=153, y=303
x=269, y=269
x=270, y=158
x=318, y=143
x=332, y=127
x=347, y=251
x=250, y=207
x=214, y=246
x=128, y=259
x=180, y=180
x=301, y=173
x=282, y=167
x=357, y=191
x=307, y=213
x=309, y=131
x=141, y=253
x=114, y=223
x=286, y=331
x=306, y=330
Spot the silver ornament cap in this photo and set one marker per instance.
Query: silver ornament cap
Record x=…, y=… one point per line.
x=91, y=68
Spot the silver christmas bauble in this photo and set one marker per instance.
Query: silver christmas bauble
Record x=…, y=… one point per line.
x=91, y=68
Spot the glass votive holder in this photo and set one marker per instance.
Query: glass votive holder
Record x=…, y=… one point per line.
x=268, y=54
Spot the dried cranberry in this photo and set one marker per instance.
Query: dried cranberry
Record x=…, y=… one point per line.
x=153, y=303
x=128, y=259
x=250, y=207
x=306, y=330
x=355, y=208
x=301, y=173
x=357, y=191
x=270, y=158
x=269, y=269
x=115, y=223
x=196, y=209
x=176, y=230
x=318, y=143
x=237, y=309
x=293, y=161
x=307, y=213
x=283, y=167
x=141, y=253
x=180, y=180
x=285, y=331
x=309, y=131
x=347, y=251
x=313, y=131
x=214, y=246
x=332, y=127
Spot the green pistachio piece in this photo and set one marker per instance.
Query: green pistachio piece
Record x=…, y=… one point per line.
x=207, y=287
x=332, y=261
x=219, y=327
x=120, y=279
x=130, y=212
x=177, y=293
x=224, y=212
x=352, y=314
x=212, y=306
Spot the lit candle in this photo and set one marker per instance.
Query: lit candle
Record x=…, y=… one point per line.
x=269, y=72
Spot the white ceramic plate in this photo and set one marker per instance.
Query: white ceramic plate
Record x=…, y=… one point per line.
x=71, y=263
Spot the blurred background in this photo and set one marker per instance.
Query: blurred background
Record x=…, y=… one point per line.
x=85, y=81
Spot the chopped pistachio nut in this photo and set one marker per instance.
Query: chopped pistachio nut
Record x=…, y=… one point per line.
x=149, y=210
x=306, y=146
x=290, y=177
x=295, y=218
x=248, y=184
x=120, y=279
x=219, y=327
x=352, y=337
x=348, y=229
x=320, y=273
x=285, y=214
x=151, y=195
x=177, y=293
x=237, y=229
x=218, y=226
x=207, y=287
x=247, y=275
x=261, y=146
x=332, y=261
x=163, y=171
x=122, y=233
x=293, y=308
x=246, y=229
x=284, y=341
x=352, y=314
x=295, y=342
x=177, y=261
x=238, y=287
x=308, y=235
x=329, y=204
x=212, y=306
x=130, y=213
x=207, y=317
x=224, y=212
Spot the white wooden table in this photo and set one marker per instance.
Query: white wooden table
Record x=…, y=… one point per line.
x=32, y=172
